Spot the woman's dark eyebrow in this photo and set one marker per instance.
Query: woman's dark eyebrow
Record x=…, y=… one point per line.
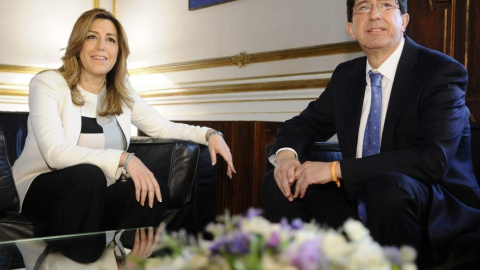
x=108, y=34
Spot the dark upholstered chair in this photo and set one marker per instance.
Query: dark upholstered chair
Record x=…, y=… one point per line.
x=185, y=166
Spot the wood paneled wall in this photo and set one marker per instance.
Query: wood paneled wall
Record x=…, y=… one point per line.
x=247, y=141
x=452, y=27
x=449, y=26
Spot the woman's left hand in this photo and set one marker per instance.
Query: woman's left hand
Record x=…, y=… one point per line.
x=145, y=244
x=217, y=145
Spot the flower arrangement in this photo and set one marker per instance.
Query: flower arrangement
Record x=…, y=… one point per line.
x=252, y=242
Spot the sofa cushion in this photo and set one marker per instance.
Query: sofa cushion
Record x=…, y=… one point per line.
x=9, y=201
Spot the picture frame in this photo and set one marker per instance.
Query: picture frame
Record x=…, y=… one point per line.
x=198, y=4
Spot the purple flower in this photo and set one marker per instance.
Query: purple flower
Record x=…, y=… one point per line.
x=253, y=212
x=284, y=224
x=274, y=240
x=308, y=256
x=237, y=243
x=297, y=224
x=216, y=246
x=393, y=255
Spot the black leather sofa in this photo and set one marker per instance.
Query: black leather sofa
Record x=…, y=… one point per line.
x=186, y=166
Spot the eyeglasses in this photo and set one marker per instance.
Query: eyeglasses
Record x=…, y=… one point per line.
x=364, y=8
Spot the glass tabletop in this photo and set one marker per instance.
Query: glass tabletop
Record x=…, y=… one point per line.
x=96, y=250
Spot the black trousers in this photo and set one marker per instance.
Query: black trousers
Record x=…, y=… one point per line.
x=396, y=206
x=77, y=200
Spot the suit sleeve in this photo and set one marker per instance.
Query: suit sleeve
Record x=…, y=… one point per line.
x=315, y=123
x=443, y=118
x=45, y=99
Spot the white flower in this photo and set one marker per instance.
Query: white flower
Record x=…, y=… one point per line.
x=335, y=246
x=409, y=266
x=304, y=235
x=355, y=230
x=258, y=225
x=408, y=254
x=215, y=228
x=269, y=263
x=368, y=255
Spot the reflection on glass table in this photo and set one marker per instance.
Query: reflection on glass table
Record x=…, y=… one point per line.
x=99, y=250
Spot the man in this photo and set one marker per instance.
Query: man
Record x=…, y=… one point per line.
x=403, y=128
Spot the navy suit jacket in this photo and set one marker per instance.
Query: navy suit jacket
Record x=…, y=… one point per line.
x=426, y=134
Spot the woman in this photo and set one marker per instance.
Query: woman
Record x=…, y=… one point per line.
x=78, y=131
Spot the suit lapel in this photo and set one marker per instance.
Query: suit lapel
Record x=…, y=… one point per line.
x=401, y=88
x=353, y=109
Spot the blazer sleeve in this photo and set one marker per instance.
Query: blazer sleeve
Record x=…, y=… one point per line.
x=428, y=153
x=148, y=120
x=47, y=100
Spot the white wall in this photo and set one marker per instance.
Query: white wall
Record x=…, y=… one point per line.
x=163, y=32
x=167, y=32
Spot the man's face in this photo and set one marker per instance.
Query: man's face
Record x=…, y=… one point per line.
x=381, y=29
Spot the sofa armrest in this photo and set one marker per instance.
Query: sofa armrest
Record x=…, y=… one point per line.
x=324, y=151
x=186, y=168
x=9, y=201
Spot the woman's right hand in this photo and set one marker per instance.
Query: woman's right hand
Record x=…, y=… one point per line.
x=144, y=181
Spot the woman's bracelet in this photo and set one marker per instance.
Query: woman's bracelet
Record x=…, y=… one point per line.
x=125, y=175
x=333, y=172
x=213, y=133
x=127, y=160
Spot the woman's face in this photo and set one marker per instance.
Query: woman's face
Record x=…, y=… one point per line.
x=100, y=49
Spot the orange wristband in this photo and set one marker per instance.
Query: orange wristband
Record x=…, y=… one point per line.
x=333, y=172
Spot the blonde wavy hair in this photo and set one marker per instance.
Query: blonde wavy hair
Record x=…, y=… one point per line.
x=117, y=91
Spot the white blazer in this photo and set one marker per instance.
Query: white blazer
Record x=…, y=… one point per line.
x=54, y=125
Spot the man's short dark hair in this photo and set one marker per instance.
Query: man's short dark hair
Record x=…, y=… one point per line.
x=350, y=3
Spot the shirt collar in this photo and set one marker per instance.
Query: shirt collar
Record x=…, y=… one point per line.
x=389, y=67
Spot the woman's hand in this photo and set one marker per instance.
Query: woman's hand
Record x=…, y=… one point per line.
x=217, y=145
x=144, y=245
x=144, y=181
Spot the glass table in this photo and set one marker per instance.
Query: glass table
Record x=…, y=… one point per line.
x=98, y=250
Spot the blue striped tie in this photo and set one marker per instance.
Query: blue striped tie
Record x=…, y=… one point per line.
x=371, y=138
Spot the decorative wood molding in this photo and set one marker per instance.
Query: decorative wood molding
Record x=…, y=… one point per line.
x=271, y=77
x=11, y=92
x=237, y=88
x=242, y=59
x=163, y=103
x=473, y=51
x=114, y=8
x=231, y=113
x=313, y=51
x=213, y=89
x=21, y=69
x=440, y=4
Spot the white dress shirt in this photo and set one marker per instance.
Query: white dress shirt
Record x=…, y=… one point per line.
x=388, y=70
